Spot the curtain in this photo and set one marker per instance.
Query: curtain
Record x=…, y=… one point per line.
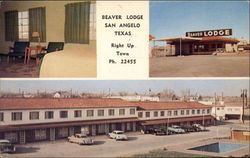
x=37, y=23
x=11, y=26
x=77, y=17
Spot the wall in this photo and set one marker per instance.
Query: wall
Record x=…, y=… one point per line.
x=55, y=18
x=26, y=120
x=172, y=115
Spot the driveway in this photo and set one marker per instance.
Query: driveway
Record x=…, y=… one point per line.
x=200, y=66
x=104, y=147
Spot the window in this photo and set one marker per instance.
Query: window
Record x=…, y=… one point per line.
x=203, y=111
x=218, y=108
x=193, y=111
x=23, y=25
x=140, y=114
x=156, y=114
x=147, y=114
x=175, y=113
x=34, y=115
x=40, y=134
x=169, y=113
x=1, y=116
x=132, y=111
x=90, y=113
x=121, y=111
x=63, y=114
x=198, y=112
x=230, y=109
x=16, y=116
x=63, y=132
x=100, y=112
x=182, y=112
x=11, y=136
x=78, y=113
x=49, y=114
x=92, y=22
x=208, y=111
x=162, y=113
x=111, y=112
x=187, y=112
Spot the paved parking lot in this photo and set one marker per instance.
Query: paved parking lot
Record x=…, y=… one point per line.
x=200, y=66
x=105, y=147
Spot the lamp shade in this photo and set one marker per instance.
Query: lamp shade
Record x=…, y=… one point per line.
x=35, y=34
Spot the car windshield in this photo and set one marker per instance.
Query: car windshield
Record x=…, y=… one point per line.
x=82, y=136
x=119, y=132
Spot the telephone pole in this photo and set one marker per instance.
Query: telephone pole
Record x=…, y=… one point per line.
x=244, y=101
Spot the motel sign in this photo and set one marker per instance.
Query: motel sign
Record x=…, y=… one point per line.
x=209, y=33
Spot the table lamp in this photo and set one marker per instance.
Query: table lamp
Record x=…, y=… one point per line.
x=36, y=35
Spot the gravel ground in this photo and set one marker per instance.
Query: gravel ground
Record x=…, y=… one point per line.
x=200, y=66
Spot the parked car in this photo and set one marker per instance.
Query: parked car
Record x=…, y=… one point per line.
x=81, y=139
x=199, y=127
x=6, y=146
x=118, y=135
x=176, y=129
x=188, y=128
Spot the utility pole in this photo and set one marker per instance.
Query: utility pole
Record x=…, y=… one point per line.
x=215, y=121
x=244, y=101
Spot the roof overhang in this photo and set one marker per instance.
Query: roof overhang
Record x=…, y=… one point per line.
x=175, y=120
x=177, y=39
x=64, y=124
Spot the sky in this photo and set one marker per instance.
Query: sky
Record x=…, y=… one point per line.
x=174, y=19
x=206, y=87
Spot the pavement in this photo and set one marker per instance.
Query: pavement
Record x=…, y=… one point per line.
x=105, y=147
x=200, y=66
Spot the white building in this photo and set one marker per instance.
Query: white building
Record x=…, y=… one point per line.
x=24, y=120
x=228, y=111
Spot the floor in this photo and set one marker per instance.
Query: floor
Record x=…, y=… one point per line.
x=17, y=69
x=200, y=66
x=105, y=147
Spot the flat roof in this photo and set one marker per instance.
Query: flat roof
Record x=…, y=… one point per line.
x=175, y=39
x=202, y=39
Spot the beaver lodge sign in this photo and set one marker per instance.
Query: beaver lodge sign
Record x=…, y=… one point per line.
x=209, y=33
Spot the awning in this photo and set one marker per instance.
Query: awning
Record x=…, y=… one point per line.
x=63, y=124
x=177, y=39
x=175, y=120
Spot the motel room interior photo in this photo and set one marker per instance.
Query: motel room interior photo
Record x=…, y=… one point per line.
x=47, y=39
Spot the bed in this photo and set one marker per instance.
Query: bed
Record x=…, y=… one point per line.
x=72, y=62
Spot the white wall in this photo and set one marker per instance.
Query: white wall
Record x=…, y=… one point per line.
x=26, y=120
x=172, y=115
x=55, y=18
x=226, y=110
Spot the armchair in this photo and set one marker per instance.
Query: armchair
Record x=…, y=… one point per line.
x=52, y=47
x=18, y=50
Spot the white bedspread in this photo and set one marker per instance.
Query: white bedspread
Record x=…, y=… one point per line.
x=69, y=63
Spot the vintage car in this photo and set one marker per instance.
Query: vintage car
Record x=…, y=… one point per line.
x=199, y=127
x=188, y=128
x=6, y=146
x=176, y=129
x=118, y=135
x=81, y=139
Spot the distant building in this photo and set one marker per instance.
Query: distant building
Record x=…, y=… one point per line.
x=138, y=98
x=228, y=111
x=62, y=94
